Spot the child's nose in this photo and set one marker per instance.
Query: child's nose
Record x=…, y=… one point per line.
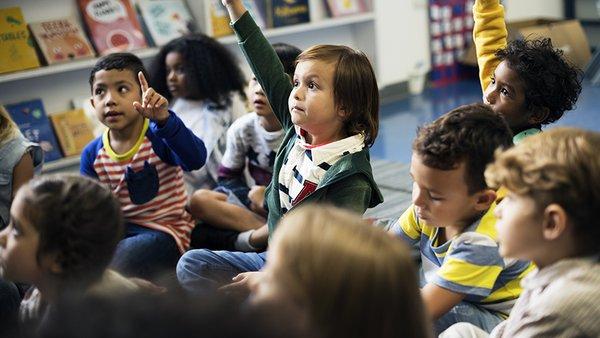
x=490, y=96
x=3, y=235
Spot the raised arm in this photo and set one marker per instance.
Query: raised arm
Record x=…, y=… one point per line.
x=263, y=61
x=489, y=35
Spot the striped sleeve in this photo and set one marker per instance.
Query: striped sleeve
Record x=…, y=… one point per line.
x=471, y=266
x=407, y=227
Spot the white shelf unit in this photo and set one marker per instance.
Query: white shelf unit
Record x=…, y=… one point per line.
x=57, y=85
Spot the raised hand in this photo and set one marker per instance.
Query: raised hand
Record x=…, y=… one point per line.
x=154, y=106
x=235, y=8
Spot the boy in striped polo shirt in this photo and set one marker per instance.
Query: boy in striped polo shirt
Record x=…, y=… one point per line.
x=141, y=157
x=451, y=221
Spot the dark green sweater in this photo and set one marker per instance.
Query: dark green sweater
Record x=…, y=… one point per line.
x=349, y=182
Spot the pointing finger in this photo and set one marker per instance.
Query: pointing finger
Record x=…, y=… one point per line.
x=143, y=82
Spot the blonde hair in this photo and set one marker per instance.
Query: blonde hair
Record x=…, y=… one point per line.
x=8, y=128
x=354, y=87
x=354, y=279
x=559, y=166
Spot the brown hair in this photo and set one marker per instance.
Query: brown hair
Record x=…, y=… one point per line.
x=78, y=220
x=354, y=87
x=354, y=279
x=559, y=166
x=469, y=133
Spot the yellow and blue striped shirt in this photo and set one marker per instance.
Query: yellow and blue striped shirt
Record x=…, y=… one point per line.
x=469, y=263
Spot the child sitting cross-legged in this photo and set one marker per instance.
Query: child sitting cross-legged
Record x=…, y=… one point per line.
x=451, y=221
x=252, y=143
x=141, y=157
x=549, y=216
x=62, y=234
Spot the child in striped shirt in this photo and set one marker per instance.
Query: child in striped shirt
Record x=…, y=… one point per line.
x=141, y=157
x=451, y=221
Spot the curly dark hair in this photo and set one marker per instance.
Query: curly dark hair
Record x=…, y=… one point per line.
x=212, y=72
x=119, y=61
x=78, y=220
x=468, y=133
x=550, y=80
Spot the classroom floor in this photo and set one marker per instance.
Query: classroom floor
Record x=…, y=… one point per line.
x=399, y=121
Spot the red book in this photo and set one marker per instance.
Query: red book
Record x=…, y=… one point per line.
x=112, y=25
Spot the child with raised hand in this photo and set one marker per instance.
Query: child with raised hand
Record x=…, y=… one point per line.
x=330, y=117
x=527, y=81
x=252, y=143
x=451, y=220
x=320, y=254
x=141, y=158
x=199, y=76
x=62, y=234
x=549, y=216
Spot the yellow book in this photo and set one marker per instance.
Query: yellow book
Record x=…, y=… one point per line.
x=73, y=130
x=16, y=46
x=219, y=19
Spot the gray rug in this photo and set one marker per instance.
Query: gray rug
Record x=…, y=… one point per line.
x=395, y=184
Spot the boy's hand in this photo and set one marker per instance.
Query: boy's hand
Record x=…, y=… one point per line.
x=154, y=106
x=235, y=8
x=256, y=195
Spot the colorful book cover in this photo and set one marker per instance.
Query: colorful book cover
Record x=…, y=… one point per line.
x=112, y=25
x=31, y=118
x=345, y=7
x=289, y=12
x=219, y=19
x=73, y=130
x=165, y=20
x=17, y=51
x=61, y=40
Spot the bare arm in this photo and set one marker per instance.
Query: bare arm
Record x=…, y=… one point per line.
x=438, y=301
x=22, y=172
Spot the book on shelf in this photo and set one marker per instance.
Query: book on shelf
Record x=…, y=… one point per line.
x=84, y=103
x=112, y=25
x=61, y=40
x=345, y=7
x=33, y=122
x=164, y=20
x=288, y=12
x=218, y=19
x=73, y=130
x=17, y=51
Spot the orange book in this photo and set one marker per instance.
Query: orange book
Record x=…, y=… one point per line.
x=73, y=130
x=219, y=19
x=112, y=25
x=61, y=40
x=16, y=47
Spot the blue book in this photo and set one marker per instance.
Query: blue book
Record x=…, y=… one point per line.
x=289, y=12
x=31, y=118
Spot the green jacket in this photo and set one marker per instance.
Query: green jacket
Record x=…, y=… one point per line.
x=349, y=182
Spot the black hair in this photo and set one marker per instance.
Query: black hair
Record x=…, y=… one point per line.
x=212, y=72
x=549, y=80
x=78, y=220
x=119, y=61
x=287, y=55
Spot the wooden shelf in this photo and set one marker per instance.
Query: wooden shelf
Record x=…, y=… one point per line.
x=150, y=52
x=62, y=163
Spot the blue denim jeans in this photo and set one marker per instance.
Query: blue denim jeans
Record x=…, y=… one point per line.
x=201, y=271
x=145, y=253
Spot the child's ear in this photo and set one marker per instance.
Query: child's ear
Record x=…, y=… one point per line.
x=485, y=198
x=92, y=101
x=555, y=222
x=50, y=263
x=539, y=115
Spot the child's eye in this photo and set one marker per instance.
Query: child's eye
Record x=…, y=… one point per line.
x=296, y=83
x=493, y=79
x=312, y=85
x=504, y=92
x=98, y=91
x=123, y=89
